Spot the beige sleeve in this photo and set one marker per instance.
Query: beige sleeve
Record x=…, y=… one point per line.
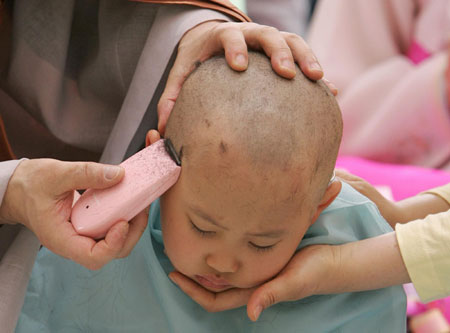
x=425, y=248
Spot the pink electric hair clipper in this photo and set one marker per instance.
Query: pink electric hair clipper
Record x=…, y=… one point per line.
x=148, y=174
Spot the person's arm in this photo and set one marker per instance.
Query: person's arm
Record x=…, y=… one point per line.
x=417, y=252
x=368, y=264
x=6, y=170
x=39, y=194
x=210, y=38
x=409, y=209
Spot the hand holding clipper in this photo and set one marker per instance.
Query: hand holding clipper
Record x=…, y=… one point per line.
x=148, y=174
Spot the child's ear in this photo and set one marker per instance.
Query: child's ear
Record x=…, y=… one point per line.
x=330, y=194
x=151, y=137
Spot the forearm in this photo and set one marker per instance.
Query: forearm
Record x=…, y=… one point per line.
x=416, y=252
x=419, y=206
x=368, y=264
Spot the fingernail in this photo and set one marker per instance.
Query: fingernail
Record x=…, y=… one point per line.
x=331, y=86
x=257, y=312
x=240, y=60
x=111, y=172
x=288, y=64
x=315, y=66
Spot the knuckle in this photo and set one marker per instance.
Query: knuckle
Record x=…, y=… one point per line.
x=269, y=299
x=284, y=50
x=93, y=266
x=222, y=28
x=291, y=37
x=85, y=169
x=266, y=30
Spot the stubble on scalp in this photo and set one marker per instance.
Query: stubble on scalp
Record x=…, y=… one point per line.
x=289, y=126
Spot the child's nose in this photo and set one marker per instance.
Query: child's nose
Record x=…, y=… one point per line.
x=222, y=263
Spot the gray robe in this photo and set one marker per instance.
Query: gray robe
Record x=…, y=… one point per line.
x=81, y=82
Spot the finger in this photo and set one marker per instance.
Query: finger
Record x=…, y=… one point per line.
x=183, y=65
x=82, y=175
x=232, y=41
x=137, y=227
x=347, y=176
x=268, y=294
x=212, y=302
x=274, y=45
x=187, y=59
x=111, y=246
x=85, y=250
x=151, y=137
x=304, y=56
x=202, y=296
x=331, y=86
x=165, y=107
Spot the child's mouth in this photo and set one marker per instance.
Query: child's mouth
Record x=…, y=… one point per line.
x=212, y=282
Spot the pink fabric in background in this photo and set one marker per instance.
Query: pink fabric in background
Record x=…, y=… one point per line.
x=417, y=53
x=404, y=180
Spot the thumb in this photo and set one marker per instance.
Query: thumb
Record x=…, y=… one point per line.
x=267, y=295
x=178, y=74
x=84, y=175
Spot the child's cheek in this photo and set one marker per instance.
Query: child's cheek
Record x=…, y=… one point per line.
x=181, y=246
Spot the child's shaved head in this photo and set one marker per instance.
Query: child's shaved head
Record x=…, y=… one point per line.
x=291, y=125
x=257, y=153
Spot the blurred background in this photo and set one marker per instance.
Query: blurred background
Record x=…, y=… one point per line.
x=389, y=60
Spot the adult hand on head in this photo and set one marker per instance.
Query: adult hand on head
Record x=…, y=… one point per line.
x=213, y=37
x=310, y=271
x=40, y=195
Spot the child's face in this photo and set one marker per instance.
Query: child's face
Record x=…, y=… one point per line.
x=225, y=227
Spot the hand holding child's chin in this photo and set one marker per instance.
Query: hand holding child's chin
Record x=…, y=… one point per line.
x=212, y=301
x=312, y=270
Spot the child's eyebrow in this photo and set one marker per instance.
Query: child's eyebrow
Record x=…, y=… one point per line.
x=206, y=217
x=270, y=234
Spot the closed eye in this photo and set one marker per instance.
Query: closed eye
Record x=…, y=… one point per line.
x=201, y=231
x=261, y=248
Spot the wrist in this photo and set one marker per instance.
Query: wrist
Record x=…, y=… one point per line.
x=394, y=213
x=13, y=206
x=333, y=272
x=339, y=273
